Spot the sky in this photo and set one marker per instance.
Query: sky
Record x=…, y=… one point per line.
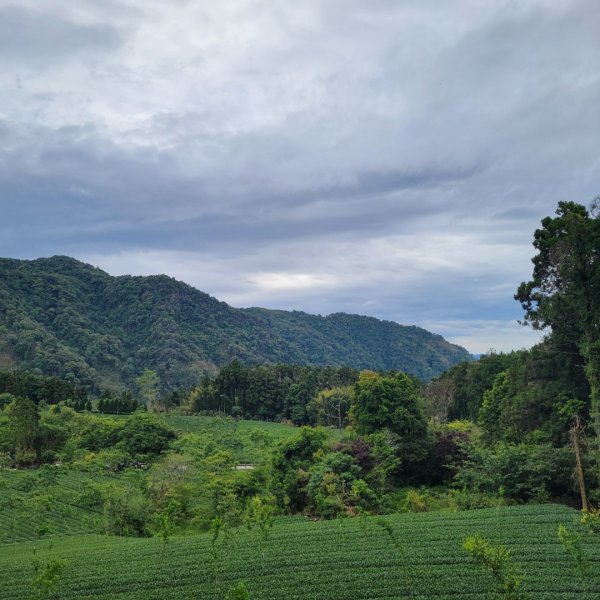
x=389, y=158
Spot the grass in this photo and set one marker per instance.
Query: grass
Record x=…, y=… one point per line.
x=200, y=424
x=40, y=503
x=250, y=441
x=332, y=560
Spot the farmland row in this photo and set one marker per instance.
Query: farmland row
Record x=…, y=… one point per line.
x=316, y=560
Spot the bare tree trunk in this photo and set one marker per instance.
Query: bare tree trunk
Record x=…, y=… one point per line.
x=575, y=430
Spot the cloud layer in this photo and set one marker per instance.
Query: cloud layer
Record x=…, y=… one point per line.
x=390, y=158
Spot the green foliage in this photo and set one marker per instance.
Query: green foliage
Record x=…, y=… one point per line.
x=47, y=581
x=220, y=536
x=247, y=441
x=144, y=436
x=273, y=392
x=415, y=502
x=524, y=472
x=392, y=403
x=163, y=523
x=260, y=516
x=98, y=434
x=470, y=380
x=23, y=430
x=149, y=385
x=591, y=519
x=238, y=592
x=330, y=484
x=120, y=404
x=290, y=462
x=535, y=399
x=362, y=497
x=125, y=510
x=562, y=293
x=38, y=388
x=572, y=543
x=320, y=559
x=387, y=403
x=70, y=319
x=330, y=408
x=497, y=559
x=523, y=395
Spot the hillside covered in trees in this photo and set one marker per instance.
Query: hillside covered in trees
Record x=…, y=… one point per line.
x=66, y=318
x=223, y=461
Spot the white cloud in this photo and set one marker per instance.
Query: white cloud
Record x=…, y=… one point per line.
x=482, y=336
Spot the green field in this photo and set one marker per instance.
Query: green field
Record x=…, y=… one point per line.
x=249, y=441
x=212, y=425
x=52, y=500
x=327, y=560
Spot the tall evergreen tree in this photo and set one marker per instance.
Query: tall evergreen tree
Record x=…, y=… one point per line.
x=564, y=292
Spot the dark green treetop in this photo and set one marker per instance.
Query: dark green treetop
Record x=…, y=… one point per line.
x=564, y=292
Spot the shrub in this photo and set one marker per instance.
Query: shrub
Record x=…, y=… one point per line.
x=525, y=472
x=497, y=559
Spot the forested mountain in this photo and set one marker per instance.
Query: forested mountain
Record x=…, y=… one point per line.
x=63, y=317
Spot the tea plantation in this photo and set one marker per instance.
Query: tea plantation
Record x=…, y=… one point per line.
x=302, y=559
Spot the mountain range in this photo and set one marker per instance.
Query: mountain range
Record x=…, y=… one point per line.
x=59, y=316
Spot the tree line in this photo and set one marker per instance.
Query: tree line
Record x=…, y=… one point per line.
x=276, y=393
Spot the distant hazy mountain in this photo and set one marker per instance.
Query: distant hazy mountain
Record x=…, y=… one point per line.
x=64, y=317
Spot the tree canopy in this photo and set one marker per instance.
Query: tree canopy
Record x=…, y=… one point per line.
x=564, y=292
x=393, y=403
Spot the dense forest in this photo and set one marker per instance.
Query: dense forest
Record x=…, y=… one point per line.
x=64, y=318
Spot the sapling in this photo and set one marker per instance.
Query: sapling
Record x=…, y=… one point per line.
x=47, y=580
x=362, y=519
x=164, y=528
x=571, y=542
x=400, y=550
x=238, y=592
x=260, y=516
x=216, y=526
x=220, y=536
x=498, y=561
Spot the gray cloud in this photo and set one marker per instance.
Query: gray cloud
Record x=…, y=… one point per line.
x=390, y=159
x=33, y=38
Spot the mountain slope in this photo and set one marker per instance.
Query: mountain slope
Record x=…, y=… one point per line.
x=67, y=318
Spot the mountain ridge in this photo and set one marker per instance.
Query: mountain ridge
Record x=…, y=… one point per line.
x=60, y=316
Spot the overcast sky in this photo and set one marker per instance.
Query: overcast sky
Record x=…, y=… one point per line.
x=383, y=157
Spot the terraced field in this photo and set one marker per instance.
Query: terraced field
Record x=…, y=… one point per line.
x=32, y=507
x=249, y=441
x=201, y=424
x=332, y=560
x=40, y=503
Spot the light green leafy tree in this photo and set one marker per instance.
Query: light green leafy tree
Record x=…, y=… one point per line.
x=330, y=407
x=497, y=559
x=47, y=581
x=23, y=426
x=149, y=385
x=571, y=542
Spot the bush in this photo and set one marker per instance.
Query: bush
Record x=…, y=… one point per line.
x=498, y=560
x=415, y=502
x=524, y=472
x=330, y=484
x=291, y=461
x=144, y=436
